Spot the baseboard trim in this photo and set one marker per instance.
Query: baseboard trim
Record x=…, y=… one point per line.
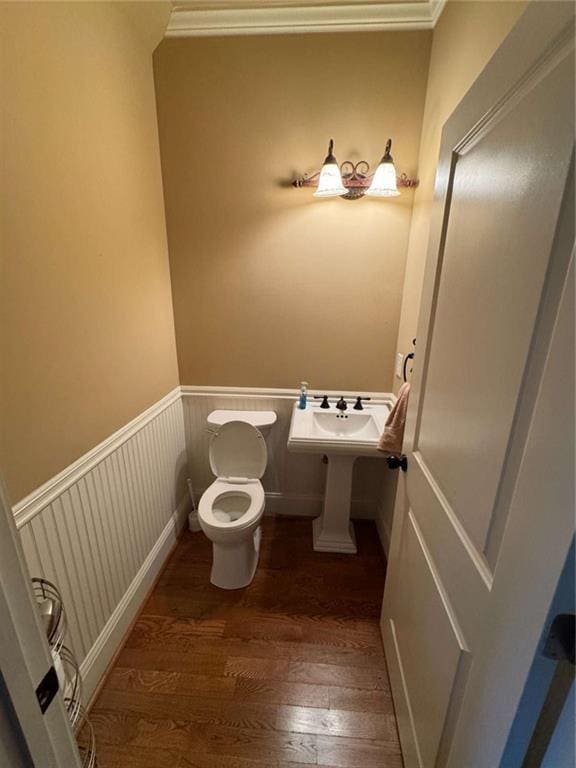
x=280, y=504
x=98, y=659
x=101, y=683
x=292, y=505
x=41, y=497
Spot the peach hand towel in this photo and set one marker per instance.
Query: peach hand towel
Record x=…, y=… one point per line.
x=391, y=439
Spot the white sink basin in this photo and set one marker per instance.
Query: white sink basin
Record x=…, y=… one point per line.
x=346, y=425
x=318, y=430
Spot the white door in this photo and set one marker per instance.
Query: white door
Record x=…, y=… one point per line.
x=28, y=737
x=485, y=513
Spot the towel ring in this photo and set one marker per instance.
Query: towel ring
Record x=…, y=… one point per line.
x=409, y=356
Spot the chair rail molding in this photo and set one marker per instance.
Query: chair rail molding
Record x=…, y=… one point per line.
x=25, y=509
x=203, y=18
x=262, y=393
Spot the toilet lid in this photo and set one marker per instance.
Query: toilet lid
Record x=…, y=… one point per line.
x=238, y=450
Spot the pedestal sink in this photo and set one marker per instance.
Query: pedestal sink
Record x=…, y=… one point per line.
x=342, y=437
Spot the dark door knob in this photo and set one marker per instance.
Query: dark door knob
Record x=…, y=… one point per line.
x=397, y=462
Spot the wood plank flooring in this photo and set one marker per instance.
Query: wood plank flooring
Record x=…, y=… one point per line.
x=286, y=673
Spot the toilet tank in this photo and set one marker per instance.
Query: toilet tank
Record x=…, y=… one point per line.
x=262, y=420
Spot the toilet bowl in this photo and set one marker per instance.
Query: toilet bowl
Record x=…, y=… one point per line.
x=231, y=509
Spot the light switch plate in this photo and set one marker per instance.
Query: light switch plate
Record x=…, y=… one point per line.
x=399, y=363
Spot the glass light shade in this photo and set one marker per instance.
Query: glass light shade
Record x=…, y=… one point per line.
x=330, y=182
x=384, y=181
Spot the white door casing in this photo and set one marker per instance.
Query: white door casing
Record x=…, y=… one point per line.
x=485, y=514
x=25, y=658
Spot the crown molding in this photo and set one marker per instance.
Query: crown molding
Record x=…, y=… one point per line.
x=262, y=17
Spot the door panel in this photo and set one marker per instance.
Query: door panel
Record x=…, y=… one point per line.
x=464, y=572
x=500, y=226
x=431, y=641
x=496, y=271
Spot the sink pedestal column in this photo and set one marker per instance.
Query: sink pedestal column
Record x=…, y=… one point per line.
x=333, y=531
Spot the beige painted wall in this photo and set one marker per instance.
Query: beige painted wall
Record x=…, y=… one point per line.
x=464, y=40
x=87, y=327
x=88, y=338
x=270, y=285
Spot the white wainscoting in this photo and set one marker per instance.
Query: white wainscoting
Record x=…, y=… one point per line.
x=294, y=483
x=101, y=530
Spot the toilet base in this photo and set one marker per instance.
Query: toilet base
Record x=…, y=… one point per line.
x=233, y=567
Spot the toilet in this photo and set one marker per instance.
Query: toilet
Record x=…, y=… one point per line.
x=231, y=509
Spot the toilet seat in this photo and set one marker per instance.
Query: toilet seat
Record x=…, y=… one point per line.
x=238, y=458
x=222, y=488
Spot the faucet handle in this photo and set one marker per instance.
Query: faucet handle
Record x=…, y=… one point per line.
x=358, y=406
x=324, y=398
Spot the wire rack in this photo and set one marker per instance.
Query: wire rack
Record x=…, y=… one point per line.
x=70, y=684
x=51, y=612
x=86, y=741
x=53, y=617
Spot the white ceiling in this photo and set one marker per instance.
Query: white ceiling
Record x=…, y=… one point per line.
x=265, y=17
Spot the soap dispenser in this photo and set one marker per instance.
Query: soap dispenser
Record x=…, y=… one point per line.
x=303, y=395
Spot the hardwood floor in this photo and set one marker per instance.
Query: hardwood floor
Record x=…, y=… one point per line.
x=286, y=673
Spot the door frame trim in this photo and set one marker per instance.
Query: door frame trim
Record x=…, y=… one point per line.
x=25, y=657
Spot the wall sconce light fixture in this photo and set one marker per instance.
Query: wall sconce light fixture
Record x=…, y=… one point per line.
x=354, y=180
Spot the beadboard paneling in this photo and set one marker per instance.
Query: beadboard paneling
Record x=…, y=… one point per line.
x=294, y=482
x=100, y=531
